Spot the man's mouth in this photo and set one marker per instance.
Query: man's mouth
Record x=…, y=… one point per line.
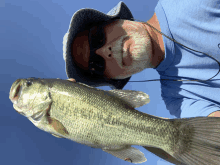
x=125, y=54
x=126, y=60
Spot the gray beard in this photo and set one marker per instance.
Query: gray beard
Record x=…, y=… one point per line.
x=141, y=55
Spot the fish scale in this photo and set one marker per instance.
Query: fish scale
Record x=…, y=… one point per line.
x=98, y=119
x=127, y=130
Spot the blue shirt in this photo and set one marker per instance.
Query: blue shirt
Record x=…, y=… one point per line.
x=195, y=24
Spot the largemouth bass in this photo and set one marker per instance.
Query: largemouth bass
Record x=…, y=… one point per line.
x=108, y=120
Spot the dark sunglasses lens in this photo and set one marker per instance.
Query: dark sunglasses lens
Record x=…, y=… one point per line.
x=96, y=40
x=97, y=37
x=97, y=65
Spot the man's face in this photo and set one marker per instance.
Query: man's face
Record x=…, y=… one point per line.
x=123, y=59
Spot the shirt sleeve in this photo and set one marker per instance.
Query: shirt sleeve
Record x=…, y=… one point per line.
x=186, y=107
x=196, y=108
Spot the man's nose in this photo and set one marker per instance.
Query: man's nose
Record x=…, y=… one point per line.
x=105, y=51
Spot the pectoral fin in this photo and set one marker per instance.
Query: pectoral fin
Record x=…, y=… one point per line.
x=57, y=126
x=129, y=154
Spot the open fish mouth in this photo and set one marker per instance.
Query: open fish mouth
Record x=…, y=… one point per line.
x=15, y=91
x=14, y=95
x=25, y=110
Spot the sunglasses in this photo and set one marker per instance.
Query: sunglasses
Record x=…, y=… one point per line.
x=97, y=40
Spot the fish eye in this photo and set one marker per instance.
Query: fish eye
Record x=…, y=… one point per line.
x=28, y=83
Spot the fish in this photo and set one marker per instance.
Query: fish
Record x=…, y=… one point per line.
x=108, y=120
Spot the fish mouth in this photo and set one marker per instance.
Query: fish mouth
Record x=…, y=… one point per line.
x=15, y=91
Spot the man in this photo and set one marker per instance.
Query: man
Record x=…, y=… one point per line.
x=102, y=49
x=131, y=47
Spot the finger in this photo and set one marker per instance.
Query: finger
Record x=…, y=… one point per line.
x=71, y=79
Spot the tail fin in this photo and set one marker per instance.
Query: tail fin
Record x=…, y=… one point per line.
x=199, y=141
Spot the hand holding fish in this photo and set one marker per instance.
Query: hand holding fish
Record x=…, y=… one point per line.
x=71, y=79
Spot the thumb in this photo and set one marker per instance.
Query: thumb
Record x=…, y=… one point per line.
x=71, y=79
